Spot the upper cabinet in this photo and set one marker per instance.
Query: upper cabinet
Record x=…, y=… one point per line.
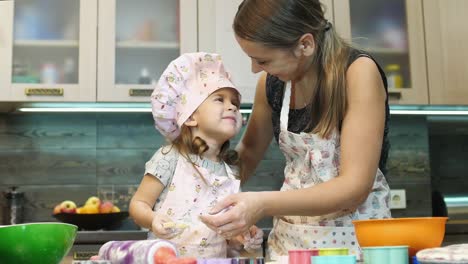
x=447, y=52
x=48, y=50
x=90, y=50
x=137, y=40
x=393, y=33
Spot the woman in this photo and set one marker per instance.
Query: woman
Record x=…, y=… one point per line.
x=326, y=105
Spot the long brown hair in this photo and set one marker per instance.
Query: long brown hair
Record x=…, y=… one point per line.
x=186, y=145
x=280, y=24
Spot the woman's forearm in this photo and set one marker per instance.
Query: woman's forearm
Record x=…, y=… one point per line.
x=321, y=199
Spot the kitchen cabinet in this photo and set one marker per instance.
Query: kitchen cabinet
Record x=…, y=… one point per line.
x=90, y=50
x=137, y=40
x=393, y=33
x=48, y=50
x=447, y=52
x=216, y=35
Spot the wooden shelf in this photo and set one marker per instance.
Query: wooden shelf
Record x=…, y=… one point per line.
x=148, y=45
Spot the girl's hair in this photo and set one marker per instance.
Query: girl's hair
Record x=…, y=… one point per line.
x=185, y=145
x=281, y=24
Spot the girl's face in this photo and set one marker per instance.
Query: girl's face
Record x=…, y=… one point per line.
x=218, y=117
x=281, y=63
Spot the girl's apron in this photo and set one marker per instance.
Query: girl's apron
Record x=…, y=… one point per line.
x=311, y=160
x=189, y=197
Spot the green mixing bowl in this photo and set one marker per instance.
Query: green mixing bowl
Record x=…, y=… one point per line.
x=38, y=243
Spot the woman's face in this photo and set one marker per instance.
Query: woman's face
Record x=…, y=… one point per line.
x=278, y=62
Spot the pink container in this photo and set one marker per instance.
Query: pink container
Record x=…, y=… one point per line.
x=302, y=256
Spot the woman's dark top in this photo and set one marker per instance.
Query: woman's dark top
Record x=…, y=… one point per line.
x=299, y=120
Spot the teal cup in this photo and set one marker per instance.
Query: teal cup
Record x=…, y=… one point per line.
x=348, y=259
x=385, y=255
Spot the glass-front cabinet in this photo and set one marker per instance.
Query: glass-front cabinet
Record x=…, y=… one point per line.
x=90, y=50
x=48, y=50
x=137, y=40
x=393, y=33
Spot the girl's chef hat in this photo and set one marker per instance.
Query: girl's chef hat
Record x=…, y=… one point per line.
x=183, y=86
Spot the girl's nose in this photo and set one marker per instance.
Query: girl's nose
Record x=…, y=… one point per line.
x=232, y=107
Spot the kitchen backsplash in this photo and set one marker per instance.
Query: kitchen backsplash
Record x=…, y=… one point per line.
x=71, y=156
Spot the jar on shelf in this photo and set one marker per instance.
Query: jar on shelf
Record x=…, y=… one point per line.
x=394, y=77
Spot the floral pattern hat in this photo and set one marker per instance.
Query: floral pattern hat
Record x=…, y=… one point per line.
x=183, y=86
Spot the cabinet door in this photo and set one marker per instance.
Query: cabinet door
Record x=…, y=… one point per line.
x=6, y=46
x=447, y=52
x=393, y=32
x=49, y=49
x=137, y=40
x=216, y=35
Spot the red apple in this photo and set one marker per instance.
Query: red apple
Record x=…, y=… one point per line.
x=106, y=207
x=163, y=254
x=68, y=207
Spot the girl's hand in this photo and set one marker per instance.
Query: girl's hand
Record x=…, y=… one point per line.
x=253, y=239
x=245, y=209
x=162, y=227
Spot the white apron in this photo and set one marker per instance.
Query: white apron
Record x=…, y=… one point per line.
x=189, y=197
x=311, y=160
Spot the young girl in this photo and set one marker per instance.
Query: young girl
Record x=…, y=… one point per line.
x=196, y=107
x=326, y=105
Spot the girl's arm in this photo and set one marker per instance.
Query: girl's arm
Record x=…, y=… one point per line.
x=144, y=199
x=259, y=132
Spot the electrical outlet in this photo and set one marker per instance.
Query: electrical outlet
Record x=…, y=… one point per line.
x=397, y=199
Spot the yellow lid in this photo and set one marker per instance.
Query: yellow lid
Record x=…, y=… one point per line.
x=392, y=67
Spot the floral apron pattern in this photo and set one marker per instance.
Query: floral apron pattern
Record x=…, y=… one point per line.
x=311, y=160
x=188, y=198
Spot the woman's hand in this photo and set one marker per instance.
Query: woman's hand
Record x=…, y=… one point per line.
x=253, y=239
x=161, y=226
x=245, y=209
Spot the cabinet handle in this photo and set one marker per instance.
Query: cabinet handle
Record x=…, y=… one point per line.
x=44, y=91
x=394, y=95
x=140, y=92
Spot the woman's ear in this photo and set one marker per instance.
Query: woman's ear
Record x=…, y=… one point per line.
x=191, y=122
x=306, y=45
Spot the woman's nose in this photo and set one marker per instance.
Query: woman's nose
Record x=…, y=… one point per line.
x=255, y=67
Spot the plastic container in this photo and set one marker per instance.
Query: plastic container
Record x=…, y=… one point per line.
x=350, y=259
x=394, y=77
x=385, y=255
x=333, y=251
x=301, y=256
x=401, y=231
x=135, y=251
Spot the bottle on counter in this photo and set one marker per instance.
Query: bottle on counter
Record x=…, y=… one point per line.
x=13, y=210
x=394, y=77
